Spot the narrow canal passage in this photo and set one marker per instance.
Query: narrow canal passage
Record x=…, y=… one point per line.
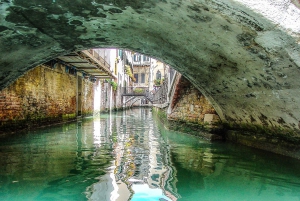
x=130, y=156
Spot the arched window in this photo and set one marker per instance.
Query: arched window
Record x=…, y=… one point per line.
x=158, y=75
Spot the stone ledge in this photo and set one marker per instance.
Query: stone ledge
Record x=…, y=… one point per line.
x=211, y=137
x=267, y=143
x=164, y=105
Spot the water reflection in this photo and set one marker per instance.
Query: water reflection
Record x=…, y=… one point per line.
x=219, y=171
x=130, y=156
x=139, y=165
x=56, y=163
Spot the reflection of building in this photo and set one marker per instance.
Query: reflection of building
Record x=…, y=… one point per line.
x=161, y=173
x=110, y=186
x=139, y=160
x=157, y=168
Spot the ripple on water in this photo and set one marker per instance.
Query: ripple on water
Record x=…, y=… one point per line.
x=130, y=155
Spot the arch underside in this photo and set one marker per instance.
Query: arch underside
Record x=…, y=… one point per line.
x=247, y=65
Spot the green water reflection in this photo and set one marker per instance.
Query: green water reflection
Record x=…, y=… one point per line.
x=130, y=156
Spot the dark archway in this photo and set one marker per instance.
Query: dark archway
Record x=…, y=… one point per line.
x=158, y=75
x=239, y=54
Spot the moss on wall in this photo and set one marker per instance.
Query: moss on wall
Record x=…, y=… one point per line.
x=200, y=130
x=43, y=96
x=189, y=104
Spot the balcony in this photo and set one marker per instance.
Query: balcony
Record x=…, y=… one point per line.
x=141, y=63
x=90, y=62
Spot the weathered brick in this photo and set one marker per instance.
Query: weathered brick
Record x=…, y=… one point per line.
x=187, y=95
x=44, y=92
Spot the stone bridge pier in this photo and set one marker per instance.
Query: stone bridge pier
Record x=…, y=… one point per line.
x=243, y=55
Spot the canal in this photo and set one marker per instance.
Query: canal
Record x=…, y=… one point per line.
x=130, y=156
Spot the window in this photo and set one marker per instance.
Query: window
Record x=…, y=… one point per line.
x=136, y=76
x=116, y=68
x=146, y=58
x=120, y=54
x=142, y=77
x=158, y=75
x=137, y=57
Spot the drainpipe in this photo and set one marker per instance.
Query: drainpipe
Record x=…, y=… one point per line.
x=110, y=100
x=100, y=95
x=169, y=84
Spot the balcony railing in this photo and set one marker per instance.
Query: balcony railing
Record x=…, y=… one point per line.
x=99, y=58
x=141, y=63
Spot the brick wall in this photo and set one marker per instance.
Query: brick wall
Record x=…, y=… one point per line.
x=87, y=98
x=43, y=96
x=189, y=105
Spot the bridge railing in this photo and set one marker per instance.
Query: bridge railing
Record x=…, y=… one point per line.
x=134, y=91
x=160, y=95
x=138, y=91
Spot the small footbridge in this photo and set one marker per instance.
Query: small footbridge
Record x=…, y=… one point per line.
x=157, y=95
x=133, y=94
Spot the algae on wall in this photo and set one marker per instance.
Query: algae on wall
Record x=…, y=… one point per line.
x=41, y=96
x=190, y=105
x=205, y=131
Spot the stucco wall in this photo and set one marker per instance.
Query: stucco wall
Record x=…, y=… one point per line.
x=109, y=98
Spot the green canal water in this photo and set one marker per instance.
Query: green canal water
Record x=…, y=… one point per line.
x=130, y=156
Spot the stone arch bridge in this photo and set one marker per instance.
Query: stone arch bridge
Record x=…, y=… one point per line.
x=243, y=55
